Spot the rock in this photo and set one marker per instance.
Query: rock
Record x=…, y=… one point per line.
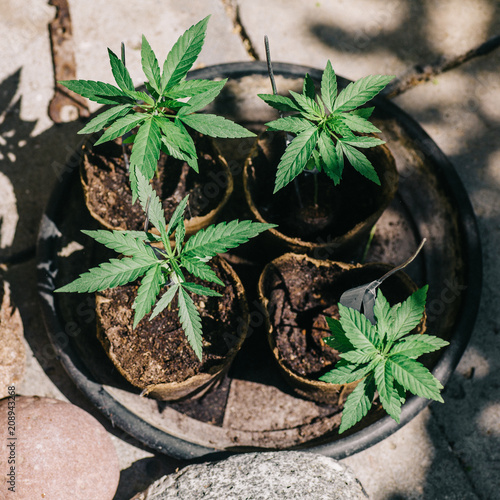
x=261, y=476
x=54, y=451
x=12, y=351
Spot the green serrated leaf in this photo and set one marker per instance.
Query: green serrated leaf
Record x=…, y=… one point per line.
x=389, y=397
x=154, y=209
x=183, y=54
x=108, y=275
x=223, y=236
x=383, y=315
x=215, y=126
x=329, y=155
x=415, y=377
x=120, y=72
x=122, y=242
x=165, y=300
x=363, y=112
x=360, y=332
x=200, y=289
x=180, y=234
x=279, y=102
x=105, y=119
x=146, y=149
x=329, y=86
x=190, y=88
x=141, y=96
x=408, y=314
x=196, y=267
x=360, y=162
x=340, y=156
x=190, y=321
x=150, y=65
x=358, y=403
x=338, y=339
x=308, y=88
x=358, y=93
x=294, y=124
x=359, y=124
x=147, y=292
x=309, y=107
x=121, y=126
x=102, y=93
x=177, y=137
x=359, y=357
x=199, y=101
x=363, y=141
x=346, y=373
x=414, y=346
x=295, y=157
x=177, y=218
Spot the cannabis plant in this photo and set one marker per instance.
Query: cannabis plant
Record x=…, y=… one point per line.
x=382, y=357
x=324, y=127
x=163, y=267
x=161, y=114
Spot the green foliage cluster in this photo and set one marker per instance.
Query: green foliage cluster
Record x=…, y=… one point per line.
x=382, y=357
x=162, y=267
x=325, y=125
x=162, y=116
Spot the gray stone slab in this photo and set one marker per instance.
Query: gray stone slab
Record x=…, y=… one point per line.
x=261, y=476
x=360, y=37
x=161, y=22
x=460, y=110
x=414, y=463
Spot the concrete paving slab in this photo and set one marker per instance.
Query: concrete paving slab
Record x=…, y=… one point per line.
x=93, y=34
x=460, y=110
x=414, y=463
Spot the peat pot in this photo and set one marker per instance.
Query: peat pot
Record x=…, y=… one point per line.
x=343, y=215
x=297, y=293
x=105, y=180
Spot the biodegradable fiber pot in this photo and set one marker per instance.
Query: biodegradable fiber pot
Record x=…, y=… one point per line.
x=108, y=196
x=344, y=214
x=156, y=356
x=297, y=292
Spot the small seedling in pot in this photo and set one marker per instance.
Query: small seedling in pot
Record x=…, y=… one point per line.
x=161, y=266
x=324, y=127
x=161, y=115
x=382, y=357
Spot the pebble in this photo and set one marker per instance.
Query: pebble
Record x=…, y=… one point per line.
x=54, y=451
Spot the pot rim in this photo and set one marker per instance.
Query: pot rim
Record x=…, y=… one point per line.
x=160, y=441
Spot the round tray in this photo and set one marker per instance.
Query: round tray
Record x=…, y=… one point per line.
x=252, y=408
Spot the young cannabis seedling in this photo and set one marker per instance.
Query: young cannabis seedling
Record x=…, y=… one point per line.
x=382, y=357
x=163, y=267
x=160, y=114
x=324, y=127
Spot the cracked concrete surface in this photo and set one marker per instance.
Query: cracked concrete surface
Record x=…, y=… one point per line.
x=448, y=451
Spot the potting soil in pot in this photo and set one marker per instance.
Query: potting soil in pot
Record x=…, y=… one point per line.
x=158, y=351
x=109, y=195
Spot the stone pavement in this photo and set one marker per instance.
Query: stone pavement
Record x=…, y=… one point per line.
x=449, y=451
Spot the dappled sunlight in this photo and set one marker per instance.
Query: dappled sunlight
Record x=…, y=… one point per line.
x=489, y=420
x=470, y=20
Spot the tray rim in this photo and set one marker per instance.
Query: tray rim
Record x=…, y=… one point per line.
x=178, y=448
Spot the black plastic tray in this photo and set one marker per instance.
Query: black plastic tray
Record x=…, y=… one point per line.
x=431, y=202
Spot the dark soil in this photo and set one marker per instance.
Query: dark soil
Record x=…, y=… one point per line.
x=105, y=173
x=301, y=294
x=157, y=351
x=338, y=209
